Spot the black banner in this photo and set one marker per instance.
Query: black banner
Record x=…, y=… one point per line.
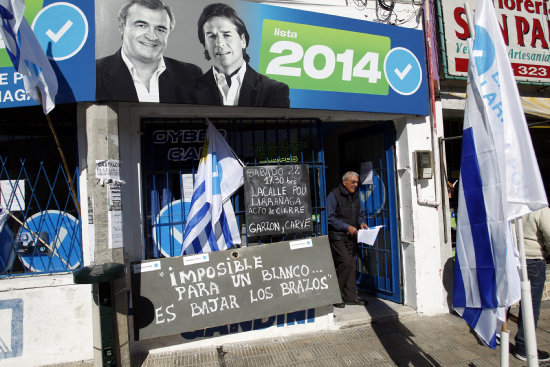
x=179, y=294
x=277, y=200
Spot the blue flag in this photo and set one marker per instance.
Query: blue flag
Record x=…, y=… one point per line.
x=499, y=181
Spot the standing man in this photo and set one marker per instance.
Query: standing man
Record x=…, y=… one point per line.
x=139, y=71
x=231, y=81
x=536, y=236
x=346, y=216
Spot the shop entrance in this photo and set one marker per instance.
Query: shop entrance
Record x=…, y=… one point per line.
x=371, y=150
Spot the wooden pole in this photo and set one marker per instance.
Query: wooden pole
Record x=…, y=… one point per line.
x=65, y=165
x=62, y=155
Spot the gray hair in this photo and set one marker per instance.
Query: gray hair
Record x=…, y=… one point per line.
x=349, y=174
x=149, y=4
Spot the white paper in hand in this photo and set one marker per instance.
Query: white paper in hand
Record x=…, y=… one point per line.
x=368, y=236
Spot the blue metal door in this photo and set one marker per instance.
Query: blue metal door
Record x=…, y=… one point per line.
x=371, y=151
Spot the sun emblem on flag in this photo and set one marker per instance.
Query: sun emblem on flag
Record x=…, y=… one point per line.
x=204, y=152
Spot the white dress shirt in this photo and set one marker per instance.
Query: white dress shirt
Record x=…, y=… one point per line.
x=230, y=94
x=144, y=94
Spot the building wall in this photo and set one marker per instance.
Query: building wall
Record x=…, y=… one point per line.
x=425, y=255
x=44, y=320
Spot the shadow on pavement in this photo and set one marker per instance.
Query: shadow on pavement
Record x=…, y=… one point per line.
x=398, y=340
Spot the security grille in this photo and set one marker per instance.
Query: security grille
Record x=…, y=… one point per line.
x=40, y=225
x=170, y=156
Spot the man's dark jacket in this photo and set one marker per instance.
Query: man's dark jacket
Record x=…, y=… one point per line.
x=257, y=90
x=347, y=210
x=114, y=81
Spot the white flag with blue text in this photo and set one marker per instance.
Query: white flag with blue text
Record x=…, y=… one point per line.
x=26, y=54
x=211, y=224
x=499, y=181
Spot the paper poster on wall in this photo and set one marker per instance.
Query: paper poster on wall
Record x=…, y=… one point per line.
x=12, y=193
x=291, y=58
x=89, y=247
x=107, y=171
x=114, y=216
x=187, y=186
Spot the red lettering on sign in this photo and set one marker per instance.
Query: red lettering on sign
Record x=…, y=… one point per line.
x=538, y=34
x=522, y=28
x=462, y=23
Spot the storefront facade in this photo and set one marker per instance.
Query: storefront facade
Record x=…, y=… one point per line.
x=137, y=210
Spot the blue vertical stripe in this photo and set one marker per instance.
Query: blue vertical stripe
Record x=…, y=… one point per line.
x=459, y=293
x=472, y=186
x=225, y=229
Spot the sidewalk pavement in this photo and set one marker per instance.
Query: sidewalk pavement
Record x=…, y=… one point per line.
x=380, y=334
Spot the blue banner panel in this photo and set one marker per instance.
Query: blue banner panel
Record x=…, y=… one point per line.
x=66, y=32
x=298, y=59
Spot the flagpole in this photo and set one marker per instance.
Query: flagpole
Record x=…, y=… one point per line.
x=526, y=302
x=504, y=332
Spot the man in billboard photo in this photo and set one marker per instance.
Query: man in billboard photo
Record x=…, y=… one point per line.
x=345, y=216
x=231, y=81
x=138, y=71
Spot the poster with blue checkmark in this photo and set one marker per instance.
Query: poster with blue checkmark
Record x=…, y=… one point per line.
x=66, y=32
x=327, y=62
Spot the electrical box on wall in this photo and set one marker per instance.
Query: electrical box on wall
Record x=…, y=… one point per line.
x=424, y=163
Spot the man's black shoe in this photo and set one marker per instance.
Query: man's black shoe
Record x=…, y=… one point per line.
x=542, y=356
x=356, y=302
x=340, y=305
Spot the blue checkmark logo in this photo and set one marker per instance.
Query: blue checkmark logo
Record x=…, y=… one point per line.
x=484, y=50
x=62, y=30
x=403, y=71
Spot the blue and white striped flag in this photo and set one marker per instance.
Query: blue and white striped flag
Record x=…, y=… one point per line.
x=499, y=181
x=27, y=55
x=211, y=224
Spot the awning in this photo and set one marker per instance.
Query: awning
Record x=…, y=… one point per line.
x=537, y=106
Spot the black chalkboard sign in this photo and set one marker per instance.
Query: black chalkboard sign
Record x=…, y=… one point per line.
x=277, y=200
x=180, y=294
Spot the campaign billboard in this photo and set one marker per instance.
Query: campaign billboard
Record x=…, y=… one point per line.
x=525, y=28
x=295, y=58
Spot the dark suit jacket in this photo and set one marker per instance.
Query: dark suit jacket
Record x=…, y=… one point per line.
x=257, y=90
x=114, y=81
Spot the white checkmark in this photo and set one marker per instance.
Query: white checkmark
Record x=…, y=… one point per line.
x=178, y=236
x=57, y=36
x=403, y=74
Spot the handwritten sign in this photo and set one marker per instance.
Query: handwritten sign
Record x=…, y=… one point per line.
x=180, y=294
x=277, y=199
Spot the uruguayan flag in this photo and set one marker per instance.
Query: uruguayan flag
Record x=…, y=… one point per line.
x=499, y=181
x=211, y=224
x=26, y=54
